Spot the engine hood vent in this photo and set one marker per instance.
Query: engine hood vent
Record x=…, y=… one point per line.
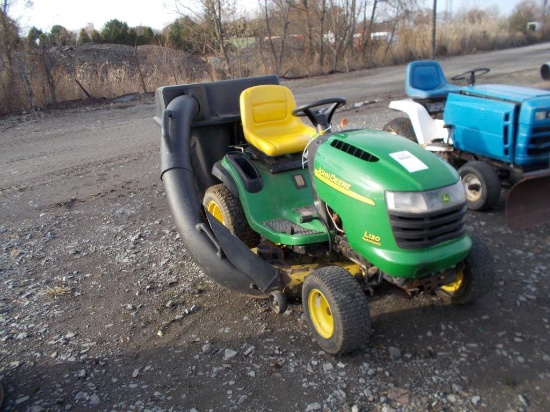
x=353, y=150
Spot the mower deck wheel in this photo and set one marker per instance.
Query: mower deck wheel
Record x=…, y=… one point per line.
x=337, y=310
x=475, y=280
x=278, y=302
x=224, y=206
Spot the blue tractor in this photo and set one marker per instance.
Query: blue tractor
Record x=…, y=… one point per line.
x=495, y=135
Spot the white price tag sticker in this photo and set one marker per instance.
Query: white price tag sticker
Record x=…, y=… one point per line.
x=409, y=161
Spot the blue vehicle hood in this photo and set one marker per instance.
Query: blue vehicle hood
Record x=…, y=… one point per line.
x=515, y=94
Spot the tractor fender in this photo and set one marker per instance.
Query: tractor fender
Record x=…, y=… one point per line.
x=205, y=241
x=425, y=128
x=225, y=177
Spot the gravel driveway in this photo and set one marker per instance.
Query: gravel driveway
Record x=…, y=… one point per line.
x=102, y=308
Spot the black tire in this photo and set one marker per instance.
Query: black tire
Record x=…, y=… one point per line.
x=481, y=183
x=225, y=207
x=477, y=278
x=401, y=126
x=337, y=310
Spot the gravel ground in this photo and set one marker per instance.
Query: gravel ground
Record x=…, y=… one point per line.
x=102, y=308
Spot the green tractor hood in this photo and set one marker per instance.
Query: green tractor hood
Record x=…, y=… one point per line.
x=355, y=173
x=374, y=161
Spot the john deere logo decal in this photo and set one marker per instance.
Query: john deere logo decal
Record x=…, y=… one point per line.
x=340, y=185
x=445, y=198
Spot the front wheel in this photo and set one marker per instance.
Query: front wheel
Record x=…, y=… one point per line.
x=337, y=310
x=481, y=183
x=475, y=280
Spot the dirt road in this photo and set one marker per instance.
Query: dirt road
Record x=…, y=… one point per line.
x=102, y=309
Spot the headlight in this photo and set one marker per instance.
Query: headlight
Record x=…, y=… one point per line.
x=430, y=201
x=542, y=115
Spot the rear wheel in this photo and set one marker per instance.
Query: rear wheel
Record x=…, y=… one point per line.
x=475, y=280
x=401, y=126
x=224, y=206
x=481, y=183
x=337, y=310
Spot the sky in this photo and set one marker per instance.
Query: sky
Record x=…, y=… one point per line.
x=76, y=14
x=157, y=14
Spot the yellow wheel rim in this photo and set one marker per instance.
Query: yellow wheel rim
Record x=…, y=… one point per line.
x=320, y=313
x=456, y=285
x=215, y=210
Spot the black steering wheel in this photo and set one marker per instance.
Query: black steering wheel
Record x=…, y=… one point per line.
x=323, y=116
x=470, y=75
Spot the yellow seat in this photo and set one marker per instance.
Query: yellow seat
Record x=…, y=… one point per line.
x=268, y=123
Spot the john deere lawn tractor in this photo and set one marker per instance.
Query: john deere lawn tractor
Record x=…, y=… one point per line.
x=272, y=207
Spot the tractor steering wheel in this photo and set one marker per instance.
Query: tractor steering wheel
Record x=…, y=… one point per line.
x=323, y=116
x=471, y=75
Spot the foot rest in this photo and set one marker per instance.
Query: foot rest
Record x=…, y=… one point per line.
x=288, y=227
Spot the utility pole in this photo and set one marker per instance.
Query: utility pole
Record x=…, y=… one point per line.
x=545, y=2
x=433, y=29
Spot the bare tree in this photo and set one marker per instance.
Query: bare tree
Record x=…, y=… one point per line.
x=392, y=13
x=544, y=13
x=212, y=14
x=367, y=30
x=342, y=22
x=9, y=39
x=315, y=21
x=397, y=11
x=321, y=16
x=8, y=34
x=390, y=17
x=277, y=21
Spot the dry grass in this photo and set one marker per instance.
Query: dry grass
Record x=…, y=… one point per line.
x=107, y=71
x=41, y=80
x=453, y=38
x=109, y=81
x=57, y=292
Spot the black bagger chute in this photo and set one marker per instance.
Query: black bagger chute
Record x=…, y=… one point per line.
x=200, y=124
